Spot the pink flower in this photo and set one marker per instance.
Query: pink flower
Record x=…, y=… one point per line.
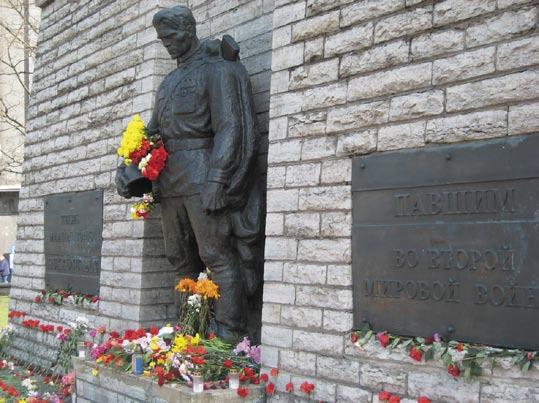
x=255, y=353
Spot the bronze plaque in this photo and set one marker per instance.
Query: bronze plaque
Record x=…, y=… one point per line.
x=73, y=238
x=446, y=239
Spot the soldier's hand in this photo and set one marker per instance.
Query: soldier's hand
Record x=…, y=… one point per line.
x=213, y=197
x=121, y=182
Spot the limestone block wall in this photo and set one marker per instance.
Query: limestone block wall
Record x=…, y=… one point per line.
x=98, y=63
x=356, y=77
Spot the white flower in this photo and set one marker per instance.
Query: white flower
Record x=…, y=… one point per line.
x=147, y=198
x=70, y=300
x=194, y=300
x=165, y=330
x=143, y=162
x=203, y=276
x=29, y=384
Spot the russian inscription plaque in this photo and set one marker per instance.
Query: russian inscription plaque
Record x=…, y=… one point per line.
x=446, y=239
x=73, y=238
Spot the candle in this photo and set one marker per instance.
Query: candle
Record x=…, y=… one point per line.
x=137, y=361
x=81, y=349
x=233, y=379
x=198, y=382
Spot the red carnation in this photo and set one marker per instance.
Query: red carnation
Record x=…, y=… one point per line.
x=384, y=396
x=274, y=372
x=242, y=392
x=306, y=387
x=59, y=329
x=460, y=347
x=37, y=299
x=453, y=370
x=423, y=399
x=114, y=334
x=289, y=387
x=198, y=360
x=264, y=377
x=270, y=388
x=354, y=337
x=415, y=353
x=154, y=330
x=383, y=338
x=211, y=336
x=394, y=399
x=227, y=364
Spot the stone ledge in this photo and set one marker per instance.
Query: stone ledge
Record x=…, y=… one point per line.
x=111, y=385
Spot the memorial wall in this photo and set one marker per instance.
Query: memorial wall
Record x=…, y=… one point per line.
x=98, y=63
x=400, y=183
x=391, y=203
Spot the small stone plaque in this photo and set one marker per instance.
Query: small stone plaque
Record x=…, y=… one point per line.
x=73, y=238
x=446, y=239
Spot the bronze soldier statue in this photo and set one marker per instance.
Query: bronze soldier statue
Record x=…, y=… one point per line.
x=210, y=193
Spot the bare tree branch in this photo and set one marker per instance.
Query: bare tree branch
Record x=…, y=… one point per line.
x=18, y=34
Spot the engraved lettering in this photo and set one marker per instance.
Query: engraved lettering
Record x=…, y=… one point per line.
x=481, y=296
x=70, y=219
x=441, y=291
x=497, y=295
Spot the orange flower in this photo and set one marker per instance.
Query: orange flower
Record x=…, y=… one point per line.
x=207, y=288
x=186, y=285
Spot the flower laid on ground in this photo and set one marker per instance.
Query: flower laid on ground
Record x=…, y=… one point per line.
x=289, y=387
x=196, y=302
x=169, y=353
x=59, y=297
x=148, y=154
x=385, y=396
x=306, y=387
x=242, y=391
x=458, y=357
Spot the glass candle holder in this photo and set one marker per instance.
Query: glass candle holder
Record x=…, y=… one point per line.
x=198, y=382
x=137, y=362
x=233, y=379
x=81, y=349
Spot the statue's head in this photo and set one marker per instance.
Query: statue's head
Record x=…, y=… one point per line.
x=176, y=27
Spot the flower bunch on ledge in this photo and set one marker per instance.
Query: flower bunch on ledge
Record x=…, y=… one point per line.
x=59, y=297
x=460, y=359
x=170, y=355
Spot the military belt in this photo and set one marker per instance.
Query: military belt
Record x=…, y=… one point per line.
x=188, y=144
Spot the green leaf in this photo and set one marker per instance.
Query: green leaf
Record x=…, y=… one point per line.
x=446, y=359
x=407, y=343
x=468, y=373
x=394, y=343
x=526, y=366
x=429, y=354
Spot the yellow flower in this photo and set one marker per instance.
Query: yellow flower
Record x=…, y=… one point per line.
x=195, y=340
x=95, y=372
x=152, y=364
x=146, y=373
x=186, y=285
x=153, y=344
x=207, y=288
x=180, y=343
x=132, y=138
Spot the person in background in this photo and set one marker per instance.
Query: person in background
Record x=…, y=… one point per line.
x=4, y=267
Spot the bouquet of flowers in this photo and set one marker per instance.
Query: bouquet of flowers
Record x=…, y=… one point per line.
x=196, y=300
x=148, y=154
